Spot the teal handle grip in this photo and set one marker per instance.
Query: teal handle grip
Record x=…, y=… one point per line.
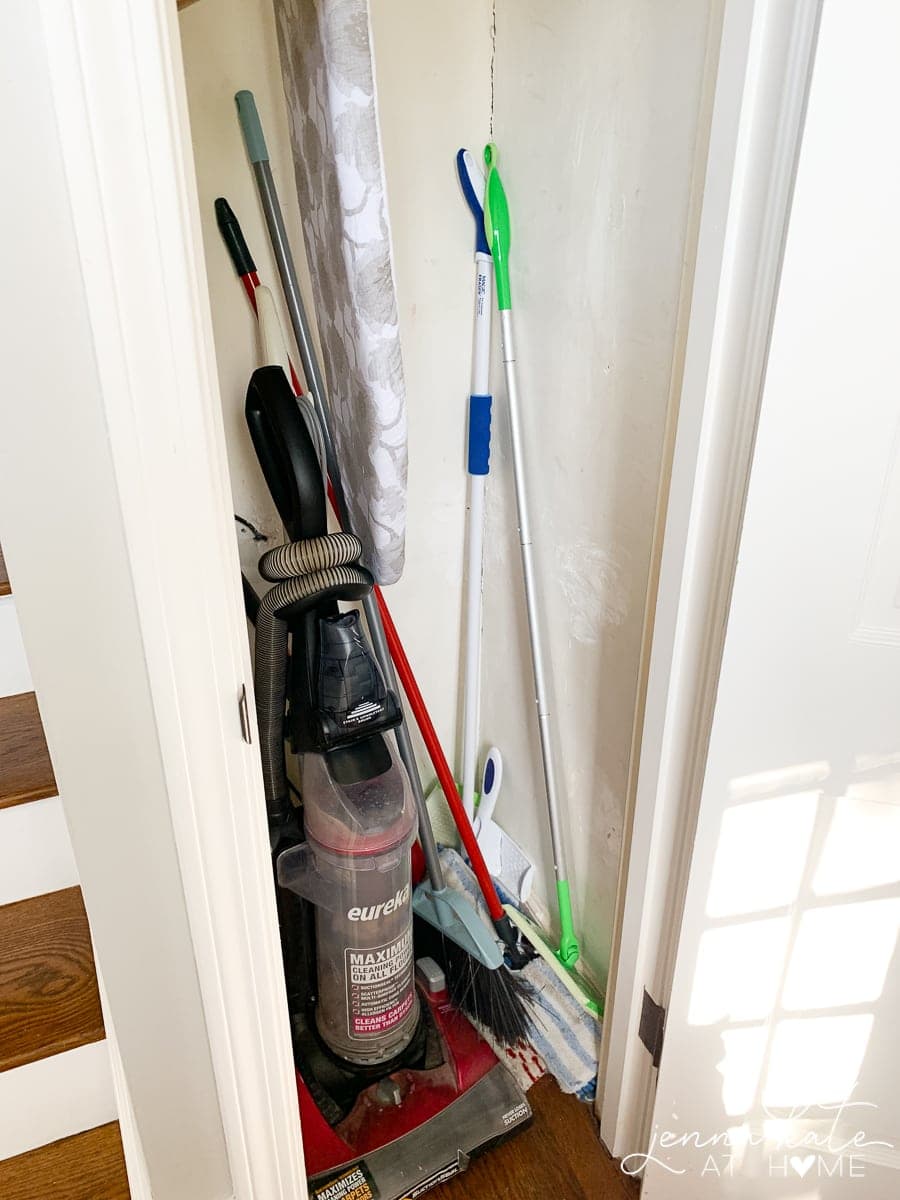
x=251, y=127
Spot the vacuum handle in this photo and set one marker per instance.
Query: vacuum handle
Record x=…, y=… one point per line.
x=286, y=454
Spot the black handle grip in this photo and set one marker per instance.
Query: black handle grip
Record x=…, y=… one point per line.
x=233, y=237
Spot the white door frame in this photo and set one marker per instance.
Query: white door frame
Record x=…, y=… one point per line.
x=766, y=58
x=117, y=527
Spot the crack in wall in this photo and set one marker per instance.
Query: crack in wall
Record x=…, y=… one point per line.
x=493, y=59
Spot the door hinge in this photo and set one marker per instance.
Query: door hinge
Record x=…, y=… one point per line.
x=244, y=713
x=653, y=1023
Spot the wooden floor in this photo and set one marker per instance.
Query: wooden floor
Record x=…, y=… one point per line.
x=89, y=1166
x=25, y=769
x=560, y=1157
x=49, y=1000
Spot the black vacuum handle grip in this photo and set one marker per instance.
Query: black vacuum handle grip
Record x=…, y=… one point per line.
x=233, y=237
x=286, y=454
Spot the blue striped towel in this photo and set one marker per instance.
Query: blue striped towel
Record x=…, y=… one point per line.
x=563, y=1033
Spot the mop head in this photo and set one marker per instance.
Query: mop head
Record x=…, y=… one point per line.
x=563, y=1037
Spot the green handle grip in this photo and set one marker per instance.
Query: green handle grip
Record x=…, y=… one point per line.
x=251, y=127
x=496, y=226
x=568, y=952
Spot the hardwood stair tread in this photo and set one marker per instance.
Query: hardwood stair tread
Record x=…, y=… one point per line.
x=88, y=1166
x=49, y=1001
x=5, y=589
x=26, y=772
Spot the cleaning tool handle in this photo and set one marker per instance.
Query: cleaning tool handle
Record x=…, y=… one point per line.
x=491, y=779
x=284, y=260
x=233, y=237
x=478, y=468
x=436, y=754
x=496, y=226
x=272, y=346
x=251, y=127
x=568, y=952
x=471, y=180
x=441, y=766
x=479, y=435
x=529, y=575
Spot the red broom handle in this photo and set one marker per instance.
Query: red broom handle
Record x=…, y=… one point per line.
x=438, y=759
x=251, y=282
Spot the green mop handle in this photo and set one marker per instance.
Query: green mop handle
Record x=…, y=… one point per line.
x=496, y=225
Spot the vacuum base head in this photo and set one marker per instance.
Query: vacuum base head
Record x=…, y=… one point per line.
x=488, y=1113
x=419, y=1125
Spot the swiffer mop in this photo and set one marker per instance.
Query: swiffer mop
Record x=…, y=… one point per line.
x=563, y=959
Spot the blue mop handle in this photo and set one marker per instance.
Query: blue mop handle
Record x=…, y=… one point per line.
x=471, y=179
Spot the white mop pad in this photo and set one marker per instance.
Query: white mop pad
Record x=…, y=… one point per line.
x=565, y=1037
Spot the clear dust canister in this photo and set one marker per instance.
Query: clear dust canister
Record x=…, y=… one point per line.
x=355, y=868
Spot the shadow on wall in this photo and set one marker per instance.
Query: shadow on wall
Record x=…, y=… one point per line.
x=796, y=984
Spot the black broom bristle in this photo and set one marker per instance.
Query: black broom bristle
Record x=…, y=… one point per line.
x=497, y=999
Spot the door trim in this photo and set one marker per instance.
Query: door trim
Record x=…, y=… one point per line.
x=765, y=63
x=117, y=401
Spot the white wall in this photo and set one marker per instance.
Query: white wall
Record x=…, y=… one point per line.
x=229, y=45
x=596, y=115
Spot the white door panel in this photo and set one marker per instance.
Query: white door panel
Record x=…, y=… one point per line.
x=782, y=1020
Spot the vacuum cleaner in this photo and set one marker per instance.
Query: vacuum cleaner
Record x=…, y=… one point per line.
x=397, y=1091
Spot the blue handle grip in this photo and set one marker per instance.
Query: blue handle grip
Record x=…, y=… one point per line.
x=479, y=435
x=475, y=205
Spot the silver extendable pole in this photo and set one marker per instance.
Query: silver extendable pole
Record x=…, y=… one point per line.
x=508, y=355
x=284, y=260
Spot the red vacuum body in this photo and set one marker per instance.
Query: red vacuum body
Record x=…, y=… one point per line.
x=414, y=1128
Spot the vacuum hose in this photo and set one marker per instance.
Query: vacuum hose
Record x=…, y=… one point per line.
x=300, y=571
